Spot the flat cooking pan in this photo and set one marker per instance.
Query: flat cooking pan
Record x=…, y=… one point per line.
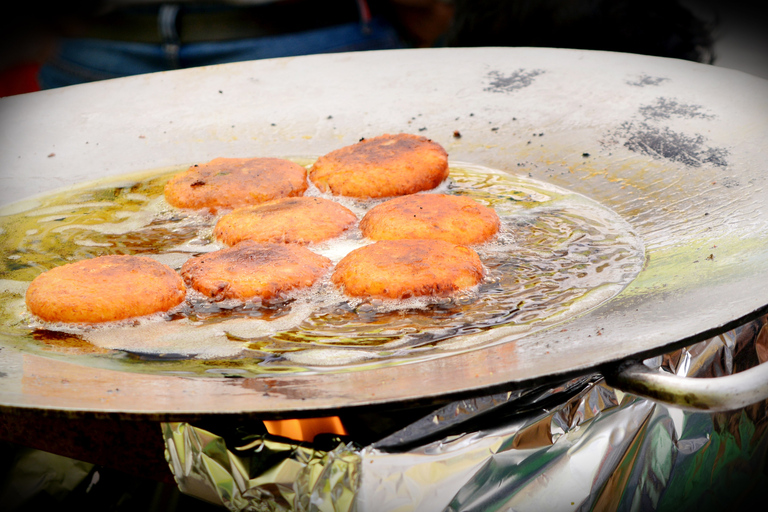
x=676, y=149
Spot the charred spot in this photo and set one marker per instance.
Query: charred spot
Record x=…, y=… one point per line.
x=514, y=81
x=664, y=143
x=644, y=80
x=677, y=147
x=666, y=108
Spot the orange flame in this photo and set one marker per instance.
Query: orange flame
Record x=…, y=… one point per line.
x=305, y=429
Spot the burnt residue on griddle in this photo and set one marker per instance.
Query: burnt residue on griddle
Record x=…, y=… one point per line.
x=647, y=134
x=499, y=82
x=644, y=80
x=667, y=108
x=661, y=142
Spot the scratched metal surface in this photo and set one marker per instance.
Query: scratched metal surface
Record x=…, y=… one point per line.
x=675, y=148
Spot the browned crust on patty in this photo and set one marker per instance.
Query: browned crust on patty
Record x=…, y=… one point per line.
x=105, y=289
x=399, y=269
x=383, y=166
x=236, y=182
x=254, y=270
x=456, y=219
x=300, y=220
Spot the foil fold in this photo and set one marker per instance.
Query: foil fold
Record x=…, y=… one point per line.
x=580, y=445
x=267, y=474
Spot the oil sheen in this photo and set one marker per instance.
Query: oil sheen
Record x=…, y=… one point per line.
x=557, y=255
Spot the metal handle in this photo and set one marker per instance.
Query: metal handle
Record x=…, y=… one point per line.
x=694, y=394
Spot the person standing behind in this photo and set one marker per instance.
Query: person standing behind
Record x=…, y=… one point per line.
x=128, y=37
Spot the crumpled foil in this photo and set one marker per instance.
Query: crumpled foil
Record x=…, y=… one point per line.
x=580, y=445
x=266, y=474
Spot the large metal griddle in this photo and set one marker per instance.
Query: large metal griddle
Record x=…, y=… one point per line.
x=677, y=149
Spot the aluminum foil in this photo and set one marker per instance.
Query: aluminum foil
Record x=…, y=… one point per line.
x=581, y=445
x=265, y=474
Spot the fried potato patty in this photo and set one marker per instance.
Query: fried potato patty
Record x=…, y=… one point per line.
x=456, y=219
x=253, y=270
x=236, y=182
x=300, y=220
x=105, y=289
x=384, y=166
x=399, y=269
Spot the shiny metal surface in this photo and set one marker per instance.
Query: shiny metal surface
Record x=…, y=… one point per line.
x=719, y=392
x=675, y=148
x=716, y=394
x=579, y=445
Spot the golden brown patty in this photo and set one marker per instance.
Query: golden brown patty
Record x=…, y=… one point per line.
x=235, y=182
x=384, y=166
x=456, y=219
x=290, y=220
x=398, y=269
x=105, y=289
x=253, y=270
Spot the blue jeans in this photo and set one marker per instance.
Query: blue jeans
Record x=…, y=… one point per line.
x=86, y=60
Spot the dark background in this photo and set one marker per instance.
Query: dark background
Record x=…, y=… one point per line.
x=729, y=34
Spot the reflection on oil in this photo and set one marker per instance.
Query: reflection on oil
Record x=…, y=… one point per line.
x=555, y=249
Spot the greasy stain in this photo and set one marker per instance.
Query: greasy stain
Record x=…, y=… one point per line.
x=499, y=82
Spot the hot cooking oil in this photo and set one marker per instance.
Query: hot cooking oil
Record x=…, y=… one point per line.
x=558, y=253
